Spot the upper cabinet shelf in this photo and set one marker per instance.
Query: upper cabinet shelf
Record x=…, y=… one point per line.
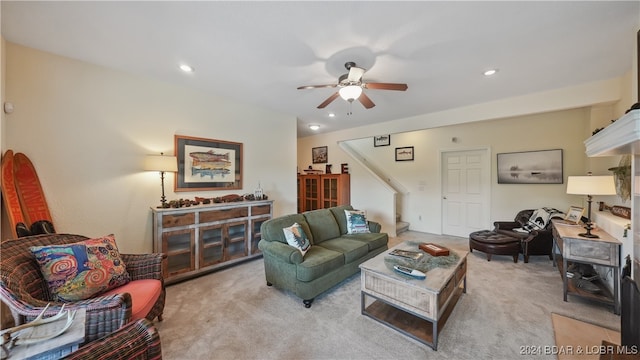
x=619, y=138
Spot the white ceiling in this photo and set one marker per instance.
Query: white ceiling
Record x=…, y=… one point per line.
x=260, y=52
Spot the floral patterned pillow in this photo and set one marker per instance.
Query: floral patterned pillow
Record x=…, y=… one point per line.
x=81, y=270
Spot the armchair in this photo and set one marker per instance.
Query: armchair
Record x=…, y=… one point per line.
x=536, y=242
x=138, y=340
x=25, y=291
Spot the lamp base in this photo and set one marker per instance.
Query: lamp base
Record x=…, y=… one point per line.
x=589, y=235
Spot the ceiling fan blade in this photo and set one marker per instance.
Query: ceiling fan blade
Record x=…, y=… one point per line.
x=355, y=73
x=366, y=101
x=329, y=100
x=317, y=86
x=385, y=86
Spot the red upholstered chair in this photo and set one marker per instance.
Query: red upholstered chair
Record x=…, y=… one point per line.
x=25, y=291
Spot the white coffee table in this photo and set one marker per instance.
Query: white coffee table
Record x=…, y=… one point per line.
x=416, y=308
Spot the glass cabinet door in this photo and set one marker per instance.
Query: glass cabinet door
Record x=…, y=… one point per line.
x=236, y=244
x=179, y=247
x=211, y=245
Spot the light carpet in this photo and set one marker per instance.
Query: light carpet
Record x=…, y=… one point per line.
x=232, y=314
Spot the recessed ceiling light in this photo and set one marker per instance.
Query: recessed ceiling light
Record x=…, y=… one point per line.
x=490, y=72
x=314, y=127
x=186, y=68
x=332, y=115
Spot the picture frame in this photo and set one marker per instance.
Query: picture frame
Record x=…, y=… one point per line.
x=382, y=140
x=531, y=167
x=574, y=215
x=207, y=164
x=404, y=153
x=319, y=155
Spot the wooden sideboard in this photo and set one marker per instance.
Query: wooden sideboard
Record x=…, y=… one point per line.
x=602, y=251
x=202, y=238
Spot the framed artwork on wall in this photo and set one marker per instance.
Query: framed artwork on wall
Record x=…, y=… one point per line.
x=207, y=164
x=319, y=155
x=530, y=167
x=404, y=153
x=382, y=140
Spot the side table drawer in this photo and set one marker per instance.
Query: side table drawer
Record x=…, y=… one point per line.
x=595, y=252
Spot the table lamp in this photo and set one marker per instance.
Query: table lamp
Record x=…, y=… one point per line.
x=161, y=163
x=590, y=185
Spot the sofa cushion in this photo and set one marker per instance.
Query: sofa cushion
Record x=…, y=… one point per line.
x=271, y=229
x=318, y=262
x=81, y=270
x=323, y=225
x=338, y=213
x=373, y=240
x=144, y=294
x=356, y=222
x=297, y=238
x=351, y=249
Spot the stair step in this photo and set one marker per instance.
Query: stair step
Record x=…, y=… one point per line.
x=401, y=226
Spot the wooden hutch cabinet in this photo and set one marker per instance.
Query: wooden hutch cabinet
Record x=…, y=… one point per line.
x=202, y=238
x=323, y=191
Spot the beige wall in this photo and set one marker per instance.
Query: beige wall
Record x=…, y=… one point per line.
x=557, y=119
x=87, y=128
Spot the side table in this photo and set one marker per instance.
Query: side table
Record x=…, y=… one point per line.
x=603, y=251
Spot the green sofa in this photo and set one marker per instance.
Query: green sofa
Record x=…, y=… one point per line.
x=333, y=256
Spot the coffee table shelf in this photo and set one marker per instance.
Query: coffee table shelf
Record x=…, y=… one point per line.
x=416, y=308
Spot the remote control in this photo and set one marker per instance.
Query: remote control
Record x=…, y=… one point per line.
x=411, y=272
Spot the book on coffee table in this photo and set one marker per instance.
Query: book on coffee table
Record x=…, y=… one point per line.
x=433, y=249
x=415, y=255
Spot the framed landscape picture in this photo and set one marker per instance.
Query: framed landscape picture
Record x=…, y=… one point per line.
x=207, y=164
x=530, y=167
x=319, y=155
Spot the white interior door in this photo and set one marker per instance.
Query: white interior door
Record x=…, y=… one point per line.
x=465, y=191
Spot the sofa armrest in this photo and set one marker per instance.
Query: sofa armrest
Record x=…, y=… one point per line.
x=374, y=227
x=505, y=225
x=144, y=266
x=283, y=252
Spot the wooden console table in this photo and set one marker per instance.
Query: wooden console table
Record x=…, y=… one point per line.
x=603, y=251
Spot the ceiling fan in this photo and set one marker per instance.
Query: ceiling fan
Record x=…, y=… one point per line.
x=351, y=86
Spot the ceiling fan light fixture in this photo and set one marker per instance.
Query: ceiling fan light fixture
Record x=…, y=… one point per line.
x=490, y=72
x=350, y=92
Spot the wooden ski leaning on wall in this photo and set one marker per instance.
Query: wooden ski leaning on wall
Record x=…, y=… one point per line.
x=10, y=195
x=32, y=200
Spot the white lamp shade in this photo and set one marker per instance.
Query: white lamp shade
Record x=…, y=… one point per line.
x=591, y=185
x=350, y=92
x=160, y=163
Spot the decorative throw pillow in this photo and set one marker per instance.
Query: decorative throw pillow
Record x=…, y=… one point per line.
x=356, y=222
x=81, y=270
x=297, y=238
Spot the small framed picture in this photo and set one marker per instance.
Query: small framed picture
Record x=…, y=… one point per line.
x=319, y=155
x=404, y=153
x=574, y=214
x=382, y=140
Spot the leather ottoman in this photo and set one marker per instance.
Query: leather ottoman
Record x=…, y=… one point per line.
x=493, y=243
